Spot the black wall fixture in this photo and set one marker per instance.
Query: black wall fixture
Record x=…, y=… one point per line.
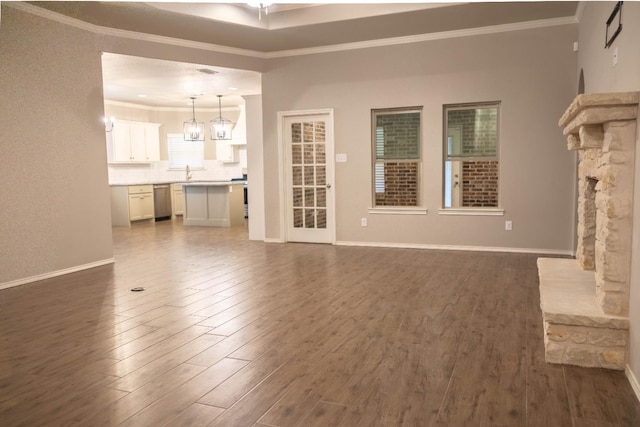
x=617, y=11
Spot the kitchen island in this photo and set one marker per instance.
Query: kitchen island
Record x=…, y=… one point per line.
x=213, y=204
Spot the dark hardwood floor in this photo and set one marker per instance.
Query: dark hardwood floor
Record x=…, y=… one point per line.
x=231, y=332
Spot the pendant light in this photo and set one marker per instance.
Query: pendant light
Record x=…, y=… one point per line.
x=262, y=6
x=193, y=130
x=221, y=127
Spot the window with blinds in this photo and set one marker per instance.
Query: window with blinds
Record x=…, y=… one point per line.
x=183, y=153
x=396, y=156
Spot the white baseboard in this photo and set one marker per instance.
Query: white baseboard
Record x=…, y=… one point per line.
x=457, y=248
x=51, y=274
x=272, y=240
x=633, y=381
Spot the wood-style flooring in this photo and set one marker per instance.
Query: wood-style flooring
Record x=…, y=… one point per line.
x=231, y=332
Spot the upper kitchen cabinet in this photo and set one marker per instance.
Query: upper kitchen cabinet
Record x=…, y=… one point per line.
x=226, y=153
x=133, y=142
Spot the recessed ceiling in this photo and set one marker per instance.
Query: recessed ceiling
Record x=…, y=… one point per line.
x=279, y=16
x=237, y=26
x=287, y=28
x=161, y=83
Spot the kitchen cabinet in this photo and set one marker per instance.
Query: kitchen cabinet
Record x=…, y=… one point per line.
x=177, y=199
x=133, y=142
x=131, y=203
x=226, y=152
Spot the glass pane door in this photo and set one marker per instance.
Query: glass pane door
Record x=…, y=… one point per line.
x=309, y=174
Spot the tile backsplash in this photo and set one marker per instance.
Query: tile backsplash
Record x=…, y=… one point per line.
x=159, y=172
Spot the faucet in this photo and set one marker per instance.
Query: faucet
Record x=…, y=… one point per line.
x=188, y=173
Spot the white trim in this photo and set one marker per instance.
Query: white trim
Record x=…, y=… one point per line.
x=273, y=240
x=51, y=274
x=107, y=31
x=456, y=248
x=633, y=381
x=398, y=211
x=316, y=112
x=152, y=108
x=542, y=23
x=281, y=177
x=580, y=10
x=471, y=211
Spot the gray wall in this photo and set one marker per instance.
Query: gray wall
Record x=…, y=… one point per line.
x=55, y=194
x=601, y=76
x=55, y=199
x=532, y=72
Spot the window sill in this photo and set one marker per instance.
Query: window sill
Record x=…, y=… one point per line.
x=399, y=211
x=472, y=211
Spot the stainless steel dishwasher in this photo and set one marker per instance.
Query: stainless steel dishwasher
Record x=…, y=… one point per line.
x=162, y=201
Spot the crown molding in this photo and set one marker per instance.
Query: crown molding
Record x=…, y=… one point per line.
x=426, y=37
x=153, y=108
x=296, y=52
x=580, y=10
x=107, y=31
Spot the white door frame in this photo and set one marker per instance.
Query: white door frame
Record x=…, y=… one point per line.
x=282, y=116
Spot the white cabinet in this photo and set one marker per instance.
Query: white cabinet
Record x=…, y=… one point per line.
x=131, y=203
x=133, y=142
x=177, y=199
x=140, y=202
x=226, y=153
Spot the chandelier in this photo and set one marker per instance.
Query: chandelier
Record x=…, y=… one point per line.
x=262, y=6
x=193, y=130
x=220, y=127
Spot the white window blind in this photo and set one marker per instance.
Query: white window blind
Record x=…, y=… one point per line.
x=183, y=153
x=378, y=171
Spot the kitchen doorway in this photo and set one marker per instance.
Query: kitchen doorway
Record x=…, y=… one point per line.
x=146, y=90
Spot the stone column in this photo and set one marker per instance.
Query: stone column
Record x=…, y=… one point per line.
x=614, y=199
x=603, y=128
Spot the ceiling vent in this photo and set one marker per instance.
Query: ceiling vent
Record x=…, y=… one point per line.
x=207, y=71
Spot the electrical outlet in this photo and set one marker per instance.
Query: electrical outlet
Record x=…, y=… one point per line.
x=508, y=225
x=363, y=222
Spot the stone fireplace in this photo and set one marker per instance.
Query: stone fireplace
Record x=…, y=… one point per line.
x=585, y=301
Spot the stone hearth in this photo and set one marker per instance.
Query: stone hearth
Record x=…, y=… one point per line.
x=585, y=301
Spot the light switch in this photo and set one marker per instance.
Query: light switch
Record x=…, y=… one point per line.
x=341, y=158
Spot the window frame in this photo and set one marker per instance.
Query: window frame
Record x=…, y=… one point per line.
x=375, y=161
x=471, y=210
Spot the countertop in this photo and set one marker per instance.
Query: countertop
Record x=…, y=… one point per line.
x=211, y=183
x=192, y=182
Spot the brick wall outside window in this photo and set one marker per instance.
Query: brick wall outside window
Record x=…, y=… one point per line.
x=401, y=185
x=401, y=136
x=479, y=130
x=396, y=143
x=480, y=184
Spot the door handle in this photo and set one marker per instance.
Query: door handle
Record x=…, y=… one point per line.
x=328, y=185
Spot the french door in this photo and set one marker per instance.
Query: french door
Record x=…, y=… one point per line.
x=308, y=184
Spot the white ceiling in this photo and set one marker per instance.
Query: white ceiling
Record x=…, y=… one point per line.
x=290, y=15
x=160, y=83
